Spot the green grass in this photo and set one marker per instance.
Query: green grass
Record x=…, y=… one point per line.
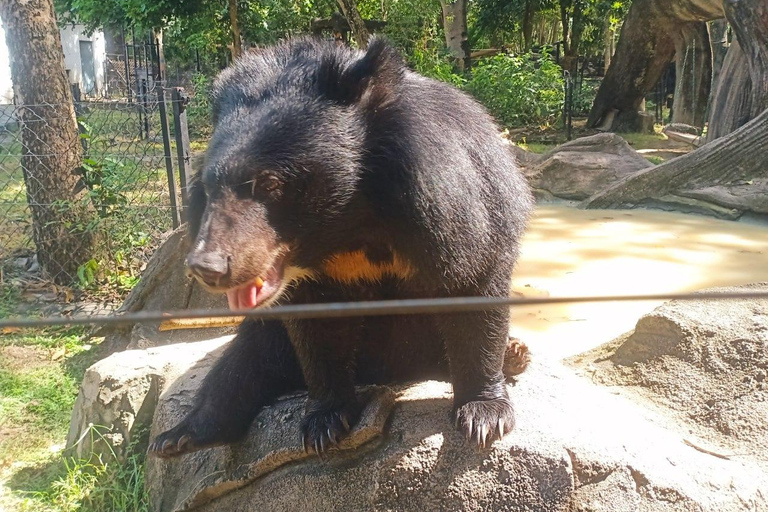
x=535, y=147
x=96, y=484
x=655, y=160
x=40, y=373
x=645, y=140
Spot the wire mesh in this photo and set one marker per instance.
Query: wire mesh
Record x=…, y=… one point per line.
x=84, y=194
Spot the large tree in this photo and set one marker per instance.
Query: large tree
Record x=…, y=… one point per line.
x=234, y=25
x=456, y=32
x=356, y=23
x=734, y=163
x=51, y=153
x=647, y=44
x=742, y=91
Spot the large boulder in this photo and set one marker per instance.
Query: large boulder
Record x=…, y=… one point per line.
x=704, y=362
x=576, y=447
x=164, y=286
x=681, y=428
x=578, y=169
x=119, y=394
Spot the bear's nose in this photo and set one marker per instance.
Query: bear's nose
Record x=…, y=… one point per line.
x=212, y=268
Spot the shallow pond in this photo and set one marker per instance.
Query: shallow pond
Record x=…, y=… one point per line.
x=569, y=252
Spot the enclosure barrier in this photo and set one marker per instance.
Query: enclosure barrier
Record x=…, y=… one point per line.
x=365, y=308
x=126, y=167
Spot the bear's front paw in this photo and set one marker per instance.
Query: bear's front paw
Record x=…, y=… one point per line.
x=197, y=431
x=484, y=421
x=177, y=441
x=324, y=426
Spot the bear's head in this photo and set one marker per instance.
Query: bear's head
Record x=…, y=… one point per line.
x=281, y=176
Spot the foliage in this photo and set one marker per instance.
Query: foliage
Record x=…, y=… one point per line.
x=501, y=20
x=106, y=185
x=199, y=108
x=101, y=483
x=144, y=14
x=411, y=24
x=599, y=15
x=519, y=90
x=429, y=63
x=584, y=96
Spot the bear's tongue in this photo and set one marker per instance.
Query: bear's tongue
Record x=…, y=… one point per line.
x=245, y=297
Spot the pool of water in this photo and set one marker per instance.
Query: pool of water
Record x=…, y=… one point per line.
x=568, y=252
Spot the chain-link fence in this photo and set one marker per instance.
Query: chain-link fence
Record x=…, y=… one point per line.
x=84, y=213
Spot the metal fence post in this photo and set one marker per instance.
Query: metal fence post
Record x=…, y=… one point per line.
x=180, y=99
x=77, y=99
x=568, y=105
x=168, y=157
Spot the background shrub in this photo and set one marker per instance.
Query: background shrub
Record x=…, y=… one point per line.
x=519, y=90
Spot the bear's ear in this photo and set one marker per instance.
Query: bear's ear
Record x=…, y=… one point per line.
x=371, y=79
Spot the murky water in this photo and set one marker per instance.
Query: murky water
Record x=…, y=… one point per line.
x=569, y=252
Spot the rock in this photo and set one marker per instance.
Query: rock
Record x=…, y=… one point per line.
x=524, y=158
x=682, y=128
x=705, y=361
x=578, y=169
x=742, y=196
x=119, y=394
x=164, y=286
x=576, y=446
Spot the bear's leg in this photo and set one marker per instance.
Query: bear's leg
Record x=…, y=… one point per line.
x=475, y=343
x=326, y=351
x=257, y=366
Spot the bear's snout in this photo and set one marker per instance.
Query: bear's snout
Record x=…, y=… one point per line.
x=210, y=267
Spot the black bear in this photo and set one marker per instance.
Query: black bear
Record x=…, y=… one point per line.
x=339, y=175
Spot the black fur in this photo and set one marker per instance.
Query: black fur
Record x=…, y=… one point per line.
x=319, y=150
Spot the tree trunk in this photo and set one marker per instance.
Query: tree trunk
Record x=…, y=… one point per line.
x=455, y=28
x=237, y=46
x=571, y=59
x=742, y=90
x=356, y=23
x=693, y=74
x=528, y=25
x=749, y=19
x=718, y=39
x=51, y=153
x=158, y=36
x=736, y=160
x=607, y=45
x=564, y=4
x=644, y=49
x=732, y=102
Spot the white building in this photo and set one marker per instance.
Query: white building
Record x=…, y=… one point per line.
x=84, y=59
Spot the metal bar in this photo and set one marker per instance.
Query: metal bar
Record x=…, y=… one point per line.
x=168, y=158
x=370, y=308
x=144, y=106
x=568, y=107
x=77, y=100
x=127, y=69
x=179, y=100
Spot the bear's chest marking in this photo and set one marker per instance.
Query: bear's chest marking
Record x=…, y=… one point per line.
x=356, y=266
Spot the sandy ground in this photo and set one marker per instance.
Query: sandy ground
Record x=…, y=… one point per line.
x=570, y=252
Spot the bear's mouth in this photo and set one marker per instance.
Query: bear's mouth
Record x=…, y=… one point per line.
x=258, y=291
